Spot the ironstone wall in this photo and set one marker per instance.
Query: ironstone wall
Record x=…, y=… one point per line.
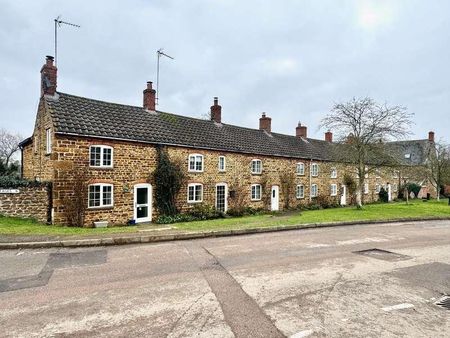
x=26, y=202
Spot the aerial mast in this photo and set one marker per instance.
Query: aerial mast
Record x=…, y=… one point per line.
x=160, y=52
x=58, y=23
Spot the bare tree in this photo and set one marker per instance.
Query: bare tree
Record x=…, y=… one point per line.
x=9, y=144
x=438, y=164
x=363, y=127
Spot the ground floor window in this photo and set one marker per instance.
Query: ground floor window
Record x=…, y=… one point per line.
x=195, y=193
x=333, y=190
x=100, y=195
x=300, y=191
x=366, y=188
x=314, y=190
x=256, y=192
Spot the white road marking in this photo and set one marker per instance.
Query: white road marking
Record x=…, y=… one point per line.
x=304, y=333
x=398, y=307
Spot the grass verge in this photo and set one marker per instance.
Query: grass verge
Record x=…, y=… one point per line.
x=391, y=211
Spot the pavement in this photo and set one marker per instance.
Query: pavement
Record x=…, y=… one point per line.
x=319, y=282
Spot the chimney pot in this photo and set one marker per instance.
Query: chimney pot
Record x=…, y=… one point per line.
x=216, y=111
x=329, y=136
x=48, y=77
x=265, y=123
x=301, y=131
x=149, y=97
x=431, y=136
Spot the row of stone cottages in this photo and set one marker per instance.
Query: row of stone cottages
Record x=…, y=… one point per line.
x=116, y=144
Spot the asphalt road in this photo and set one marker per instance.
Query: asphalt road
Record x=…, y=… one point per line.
x=307, y=283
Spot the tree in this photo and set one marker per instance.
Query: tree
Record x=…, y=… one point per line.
x=9, y=144
x=439, y=166
x=363, y=127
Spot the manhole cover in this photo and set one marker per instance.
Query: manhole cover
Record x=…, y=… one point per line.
x=382, y=254
x=444, y=302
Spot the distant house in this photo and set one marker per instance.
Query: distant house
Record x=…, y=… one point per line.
x=116, y=146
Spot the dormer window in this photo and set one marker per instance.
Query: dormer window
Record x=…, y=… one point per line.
x=256, y=166
x=196, y=163
x=101, y=156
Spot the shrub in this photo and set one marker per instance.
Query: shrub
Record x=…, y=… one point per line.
x=203, y=212
x=350, y=183
x=14, y=182
x=414, y=188
x=169, y=219
x=383, y=195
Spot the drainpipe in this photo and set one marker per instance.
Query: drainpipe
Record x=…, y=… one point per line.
x=310, y=180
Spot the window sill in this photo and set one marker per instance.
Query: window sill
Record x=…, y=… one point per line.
x=100, y=167
x=101, y=208
x=194, y=202
x=195, y=171
x=257, y=174
x=301, y=198
x=255, y=200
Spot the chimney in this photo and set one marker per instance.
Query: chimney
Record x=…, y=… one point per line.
x=431, y=136
x=149, y=97
x=48, y=77
x=265, y=123
x=216, y=111
x=329, y=136
x=301, y=131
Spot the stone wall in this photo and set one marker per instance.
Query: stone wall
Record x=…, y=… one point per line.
x=29, y=202
x=134, y=163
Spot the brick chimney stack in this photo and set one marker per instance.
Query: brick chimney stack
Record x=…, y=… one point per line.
x=329, y=136
x=431, y=136
x=265, y=123
x=149, y=97
x=216, y=111
x=301, y=131
x=48, y=77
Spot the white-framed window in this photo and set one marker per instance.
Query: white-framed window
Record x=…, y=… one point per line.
x=300, y=168
x=48, y=141
x=314, y=190
x=394, y=187
x=333, y=173
x=196, y=163
x=377, y=173
x=300, y=191
x=256, y=192
x=195, y=193
x=256, y=166
x=222, y=163
x=100, y=195
x=333, y=189
x=366, y=188
x=377, y=188
x=101, y=156
x=314, y=169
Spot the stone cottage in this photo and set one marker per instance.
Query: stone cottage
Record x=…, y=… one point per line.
x=115, y=147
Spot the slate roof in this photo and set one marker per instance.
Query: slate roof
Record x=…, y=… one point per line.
x=411, y=152
x=87, y=117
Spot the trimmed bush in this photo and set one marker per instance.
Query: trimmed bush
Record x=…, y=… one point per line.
x=14, y=182
x=383, y=195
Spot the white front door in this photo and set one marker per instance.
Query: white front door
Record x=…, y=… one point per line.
x=142, y=203
x=343, y=195
x=389, y=191
x=275, y=199
x=221, y=197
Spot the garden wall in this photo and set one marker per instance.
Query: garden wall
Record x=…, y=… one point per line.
x=26, y=202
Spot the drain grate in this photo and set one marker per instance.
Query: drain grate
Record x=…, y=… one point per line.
x=444, y=302
x=382, y=254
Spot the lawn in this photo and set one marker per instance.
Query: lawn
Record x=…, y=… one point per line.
x=416, y=208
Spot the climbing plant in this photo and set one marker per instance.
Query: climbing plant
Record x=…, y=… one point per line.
x=168, y=177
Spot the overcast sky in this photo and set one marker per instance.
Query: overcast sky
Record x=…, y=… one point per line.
x=291, y=59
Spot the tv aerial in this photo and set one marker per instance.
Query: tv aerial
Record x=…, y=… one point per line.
x=160, y=52
x=58, y=23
